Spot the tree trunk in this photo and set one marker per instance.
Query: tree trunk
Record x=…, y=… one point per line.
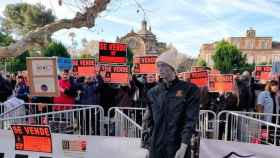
x=41, y=36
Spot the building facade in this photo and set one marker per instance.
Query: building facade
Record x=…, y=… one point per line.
x=258, y=49
x=143, y=42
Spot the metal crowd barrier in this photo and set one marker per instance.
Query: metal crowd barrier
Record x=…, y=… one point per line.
x=2, y=108
x=125, y=126
x=125, y=121
x=243, y=127
x=207, y=124
x=37, y=108
x=81, y=119
x=260, y=116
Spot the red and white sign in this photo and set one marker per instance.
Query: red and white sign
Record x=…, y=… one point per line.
x=263, y=72
x=199, y=78
x=144, y=65
x=221, y=83
x=115, y=73
x=84, y=67
x=111, y=53
x=197, y=68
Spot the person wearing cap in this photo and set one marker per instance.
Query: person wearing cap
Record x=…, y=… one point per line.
x=172, y=113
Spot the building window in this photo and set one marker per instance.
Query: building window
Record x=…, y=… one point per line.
x=236, y=43
x=250, y=59
x=275, y=58
x=262, y=59
x=249, y=44
x=264, y=44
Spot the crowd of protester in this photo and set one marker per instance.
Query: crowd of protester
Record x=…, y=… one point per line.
x=91, y=90
x=248, y=95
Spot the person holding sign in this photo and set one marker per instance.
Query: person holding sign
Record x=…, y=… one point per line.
x=68, y=92
x=173, y=111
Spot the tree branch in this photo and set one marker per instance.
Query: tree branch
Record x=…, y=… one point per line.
x=41, y=36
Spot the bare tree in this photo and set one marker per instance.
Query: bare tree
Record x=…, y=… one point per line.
x=41, y=36
x=84, y=42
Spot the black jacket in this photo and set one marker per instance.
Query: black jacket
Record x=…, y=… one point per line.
x=173, y=114
x=5, y=89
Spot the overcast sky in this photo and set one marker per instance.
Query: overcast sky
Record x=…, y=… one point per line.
x=185, y=23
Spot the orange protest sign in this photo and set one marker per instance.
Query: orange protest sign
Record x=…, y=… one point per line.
x=84, y=67
x=32, y=138
x=115, y=73
x=263, y=72
x=221, y=83
x=144, y=64
x=199, y=78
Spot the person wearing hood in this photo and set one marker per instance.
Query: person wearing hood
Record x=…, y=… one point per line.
x=172, y=113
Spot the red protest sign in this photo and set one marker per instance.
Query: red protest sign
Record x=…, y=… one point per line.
x=197, y=68
x=112, y=52
x=199, y=78
x=263, y=72
x=32, y=138
x=114, y=73
x=84, y=67
x=144, y=65
x=221, y=83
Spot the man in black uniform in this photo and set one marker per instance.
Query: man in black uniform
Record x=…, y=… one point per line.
x=172, y=114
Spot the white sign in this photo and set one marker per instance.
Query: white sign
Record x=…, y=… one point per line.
x=42, y=74
x=222, y=149
x=43, y=68
x=44, y=84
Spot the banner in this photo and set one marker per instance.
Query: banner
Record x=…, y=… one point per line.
x=221, y=83
x=197, y=68
x=32, y=138
x=64, y=63
x=199, y=78
x=228, y=149
x=144, y=65
x=263, y=72
x=112, y=53
x=42, y=76
x=114, y=73
x=84, y=67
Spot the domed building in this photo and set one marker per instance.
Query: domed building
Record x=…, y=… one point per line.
x=143, y=42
